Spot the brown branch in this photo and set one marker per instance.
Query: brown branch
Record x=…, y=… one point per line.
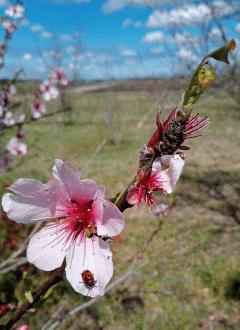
x=54, y=279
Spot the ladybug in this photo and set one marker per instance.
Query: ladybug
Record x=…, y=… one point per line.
x=88, y=279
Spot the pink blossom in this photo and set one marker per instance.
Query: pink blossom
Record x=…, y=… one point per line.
x=21, y=119
x=23, y=327
x=5, y=162
x=16, y=147
x=161, y=211
x=58, y=77
x=1, y=111
x=11, y=91
x=9, y=26
x=8, y=119
x=77, y=216
x=48, y=90
x=15, y=11
x=21, y=135
x=38, y=109
x=163, y=177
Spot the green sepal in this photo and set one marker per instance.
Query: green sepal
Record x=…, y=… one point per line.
x=115, y=198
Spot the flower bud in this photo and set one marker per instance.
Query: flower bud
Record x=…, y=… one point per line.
x=4, y=309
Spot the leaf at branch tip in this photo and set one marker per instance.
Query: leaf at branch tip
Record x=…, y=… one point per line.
x=204, y=75
x=221, y=54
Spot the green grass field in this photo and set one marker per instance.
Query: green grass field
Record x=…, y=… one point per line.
x=190, y=273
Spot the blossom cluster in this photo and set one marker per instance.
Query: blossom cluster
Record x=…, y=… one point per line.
x=48, y=90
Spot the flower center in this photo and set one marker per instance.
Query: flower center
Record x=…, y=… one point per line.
x=80, y=218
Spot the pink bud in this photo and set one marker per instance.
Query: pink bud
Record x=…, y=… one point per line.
x=23, y=327
x=4, y=309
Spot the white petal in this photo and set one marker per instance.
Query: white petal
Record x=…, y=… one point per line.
x=46, y=249
x=90, y=254
x=113, y=221
x=175, y=169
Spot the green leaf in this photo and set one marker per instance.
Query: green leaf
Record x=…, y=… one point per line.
x=28, y=296
x=204, y=74
x=221, y=54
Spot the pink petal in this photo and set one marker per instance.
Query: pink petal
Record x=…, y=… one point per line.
x=92, y=255
x=28, y=187
x=113, y=221
x=97, y=210
x=46, y=249
x=76, y=188
x=134, y=194
x=33, y=201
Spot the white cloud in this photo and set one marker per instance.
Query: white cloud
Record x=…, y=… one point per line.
x=237, y=27
x=47, y=34
x=184, y=38
x=65, y=37
x=36, y=28
x=156, y=36
x=63, y=2
x=188, y=14
x=110, y=6
x=186, y=54
x=102, y=59
x=215, y=34
x=129, y=22
x=70, y=49
x=27, y=56
x=156, y=50
x=127, y=52
x=25, y=22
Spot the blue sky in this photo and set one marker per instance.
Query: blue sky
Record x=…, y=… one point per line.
x=116, y=40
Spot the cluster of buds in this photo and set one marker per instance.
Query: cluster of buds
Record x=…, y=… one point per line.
x=162, y=160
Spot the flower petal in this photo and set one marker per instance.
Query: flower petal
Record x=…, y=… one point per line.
x=46, y=249
x=83, y=190
x=33, y=201
x=90, y=254
x=175, y=169
x=112, y=222
x=28, y=187
x=134, y=195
